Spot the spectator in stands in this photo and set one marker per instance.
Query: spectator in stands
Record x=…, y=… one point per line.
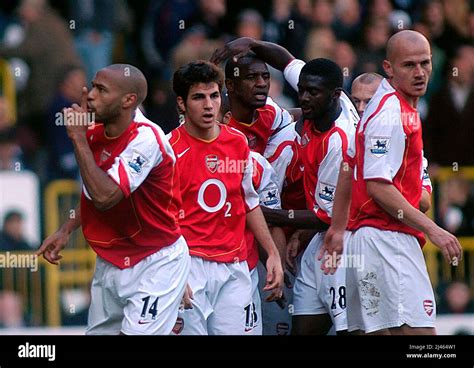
x=61, y=151
x=320, y=44
x=11, y=239
x=456, y=299
x=10, y=151
x=448, y=128
x=456, y=206
x=250, y=24
x=347, y=25
x=96, y=23
x=12, y=236
x=161, y=105
x=345, y=57
x=372, y=53
x=46, y=47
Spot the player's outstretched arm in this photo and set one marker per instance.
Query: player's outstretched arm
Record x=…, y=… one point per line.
x=104, y=192
x=56, y=242
x=333, y=240
x=300, y=219
x=256, y=223
x=271, y=53
x=392, y=201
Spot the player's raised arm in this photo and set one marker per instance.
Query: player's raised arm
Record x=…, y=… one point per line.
x=102, y=190
x=271, y=53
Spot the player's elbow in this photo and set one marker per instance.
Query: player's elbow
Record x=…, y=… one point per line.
x=372, y=189
x=425, y=202
x=102, y=205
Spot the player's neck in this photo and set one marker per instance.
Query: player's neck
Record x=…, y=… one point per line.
x=208, y=134
x=326, y=122
x=411, y=100
x=114, y=128
x=242, y=113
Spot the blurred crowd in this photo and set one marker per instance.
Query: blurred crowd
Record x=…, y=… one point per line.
x=54, y=47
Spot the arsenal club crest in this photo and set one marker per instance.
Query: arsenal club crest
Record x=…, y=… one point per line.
x=429, y=307
x=104, y=155
x=212, y=163
x=178, y=327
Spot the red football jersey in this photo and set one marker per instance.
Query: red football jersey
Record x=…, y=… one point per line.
x=142, y=164
x=389, y=148
x=217, y=192
x=269, y=119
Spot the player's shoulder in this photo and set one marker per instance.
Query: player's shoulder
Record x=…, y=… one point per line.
x=257, y=157
x=385, y=104
x=229, y=133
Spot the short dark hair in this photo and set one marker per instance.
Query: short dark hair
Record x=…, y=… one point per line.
x=231, y=64
x=326, y=69
x=199, y=71
x=12, y=214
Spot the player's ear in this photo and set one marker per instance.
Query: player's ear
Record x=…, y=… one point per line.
x=229, y=83
x=337, y=92
x=181, y=105
x=129, y=100
x=387, y=67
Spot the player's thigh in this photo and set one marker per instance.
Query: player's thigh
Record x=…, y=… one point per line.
x=332, y=288
x=276, y=316
x=194, y=321
x=233, y=308
x=418, y=306
x=153, y=290
x=306, y=300
x=106, y=309
x=311, y=324
x=393, y=286
x=257, y=304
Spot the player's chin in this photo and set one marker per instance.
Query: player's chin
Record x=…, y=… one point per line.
x=258, y=103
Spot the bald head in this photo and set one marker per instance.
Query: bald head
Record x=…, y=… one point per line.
x=363, y=88
x=403, y=39
x=129, y=79
x=408, y=64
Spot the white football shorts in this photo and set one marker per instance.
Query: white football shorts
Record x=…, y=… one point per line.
x=393, y=288
x=140, y=300
x=222, y=300
x=316, y=293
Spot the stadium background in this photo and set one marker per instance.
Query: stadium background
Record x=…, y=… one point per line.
x=42, y=45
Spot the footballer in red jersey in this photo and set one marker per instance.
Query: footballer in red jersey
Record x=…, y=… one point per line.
x=129, y=209
x=386, y=192
x=218, y=202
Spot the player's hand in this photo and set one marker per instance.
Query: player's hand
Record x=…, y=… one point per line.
x=236, y=49
x=447, y=243
x=274, y=278
x=76, y=118
x=331, y=250
x=52, y=245
x=186, y=301
x=292, y=249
